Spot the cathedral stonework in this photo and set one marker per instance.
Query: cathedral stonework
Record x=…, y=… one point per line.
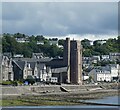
x=73, y=59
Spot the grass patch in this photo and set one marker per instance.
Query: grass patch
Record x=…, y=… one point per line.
x=54, y=99
x=14, y=103
x=35, y=102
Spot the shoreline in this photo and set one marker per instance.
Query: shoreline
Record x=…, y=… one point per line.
x=56, y=99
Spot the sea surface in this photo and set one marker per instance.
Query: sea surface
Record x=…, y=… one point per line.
x=106, y=100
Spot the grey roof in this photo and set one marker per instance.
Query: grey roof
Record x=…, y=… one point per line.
x=118, y=54
x=33, y=59
x=59, y=70
x=56, y=63
x=20, y=64
x=37, y=53
x=8, y=54
x=101, y=70
x=40, y=66
x=114, y=65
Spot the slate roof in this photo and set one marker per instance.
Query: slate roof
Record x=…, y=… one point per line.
x=101, y=70
x=41, y=66
x=20, y=64
x=45, y=60
x=114, y=65
x=56, y=63
x=59, y=70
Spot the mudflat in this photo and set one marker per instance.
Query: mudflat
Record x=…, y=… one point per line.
x=57, y=98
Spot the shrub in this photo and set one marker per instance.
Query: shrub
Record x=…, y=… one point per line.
x=6, y=82
x=30, y=80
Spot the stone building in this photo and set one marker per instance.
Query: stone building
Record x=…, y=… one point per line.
x=73, y=60
x=6, y=69
x=23, y=69
x=66, y=57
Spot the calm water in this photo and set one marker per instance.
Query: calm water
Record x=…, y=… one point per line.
x=106, y=100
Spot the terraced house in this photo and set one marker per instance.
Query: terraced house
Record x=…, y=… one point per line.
x=23, y=69
x=6, y=69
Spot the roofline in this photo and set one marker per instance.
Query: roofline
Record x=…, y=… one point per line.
x=17, y=64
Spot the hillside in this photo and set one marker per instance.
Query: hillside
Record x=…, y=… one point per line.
x=26, y=45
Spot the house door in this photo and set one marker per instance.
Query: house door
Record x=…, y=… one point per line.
x=9, y=76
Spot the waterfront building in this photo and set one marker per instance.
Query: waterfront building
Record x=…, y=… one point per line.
x=66, y=69
x=72, y=58
x=105, y=73
x=23, y=69
x=75, y=62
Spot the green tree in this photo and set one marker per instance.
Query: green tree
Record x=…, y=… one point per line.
x=39, y=38
x=61, y=42
x=9, y=44
x=85, y=43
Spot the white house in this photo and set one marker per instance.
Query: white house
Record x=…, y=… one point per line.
x=37, y=55
x=100, y=75
x=53, y=42
x=115, y=71
x=106, y=73
x=114, y=56
x=85, y=77
x=18, y=56
x=104, y=77
x=91, y=42
x=86, y=62
x=52, y=79
x=101, y=42
x=105, y=57
x=44, y=72
x=96, y=58
x=40, y=43
x=22, y=40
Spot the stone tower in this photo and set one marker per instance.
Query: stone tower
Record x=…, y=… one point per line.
x=75, y=62
x=66, y=57
x=72, y=58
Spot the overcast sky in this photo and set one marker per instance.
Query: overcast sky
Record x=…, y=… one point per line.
x=80, y=20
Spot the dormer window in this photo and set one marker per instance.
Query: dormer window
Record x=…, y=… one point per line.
x=28, y=65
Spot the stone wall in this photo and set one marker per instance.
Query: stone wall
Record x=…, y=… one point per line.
x=20, y=90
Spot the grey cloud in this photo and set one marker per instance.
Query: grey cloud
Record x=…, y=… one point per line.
x=58, y=19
